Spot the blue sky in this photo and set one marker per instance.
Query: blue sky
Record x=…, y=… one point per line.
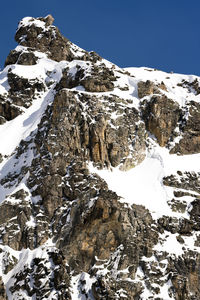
x=154, y=33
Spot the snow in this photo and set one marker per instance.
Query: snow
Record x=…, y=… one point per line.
x=28, y=21
x=177, y=93
x=31, y=222
x=77, y=287
x=77, y=51
x=20, y=128
x=14, y=131
x=4, y=86
x=24, y=258
x=164, y=286
x=164, y=291
x=168, y=242
x=11, y=133
x=75, y=64
x=143, y=185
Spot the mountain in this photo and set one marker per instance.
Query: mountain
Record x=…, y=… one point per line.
x=99, y=175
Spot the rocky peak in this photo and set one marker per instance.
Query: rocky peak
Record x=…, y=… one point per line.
x=38, y=34
x=99, y=176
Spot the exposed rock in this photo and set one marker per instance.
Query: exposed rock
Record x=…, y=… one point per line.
x=70, y=230
x=14, y=214
x=195, y=212
x=8, y=111
x=178, y=205
x=185, y=284
x=161, y=116
x=8, y=262
x=23, y=90
x=23, y=57
x=112, y=228
x=12, y=58
x=21, y=94
x=99, y=141
x=27, y=58
x=80, y=140
x=109, y=289
x=190, y=141
x=191, y=86
x=197, y=242
x=45, y=38
x=43, y=277
x=187, y=181
x=147, y=88
x=2, y=119
x=42, y=36
x=182, y=226
x=2, y=290
x=99, y=79
x=48, y=20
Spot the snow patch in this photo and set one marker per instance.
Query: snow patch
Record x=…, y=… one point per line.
x=143, y=185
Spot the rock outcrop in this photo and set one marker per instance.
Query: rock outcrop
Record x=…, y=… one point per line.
x=98, y=78
x=146, y=88
x=190, y=139
x=161, y=116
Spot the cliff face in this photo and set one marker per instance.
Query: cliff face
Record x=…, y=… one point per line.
x=99, y=180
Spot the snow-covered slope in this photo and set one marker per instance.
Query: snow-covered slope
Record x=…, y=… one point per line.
x=99, y=175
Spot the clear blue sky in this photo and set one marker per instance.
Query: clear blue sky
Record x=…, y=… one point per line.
x=154, y=33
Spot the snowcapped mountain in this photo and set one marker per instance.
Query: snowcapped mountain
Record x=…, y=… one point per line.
x=99, y=175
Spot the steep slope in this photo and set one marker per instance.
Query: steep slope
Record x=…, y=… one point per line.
x=99, y=175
